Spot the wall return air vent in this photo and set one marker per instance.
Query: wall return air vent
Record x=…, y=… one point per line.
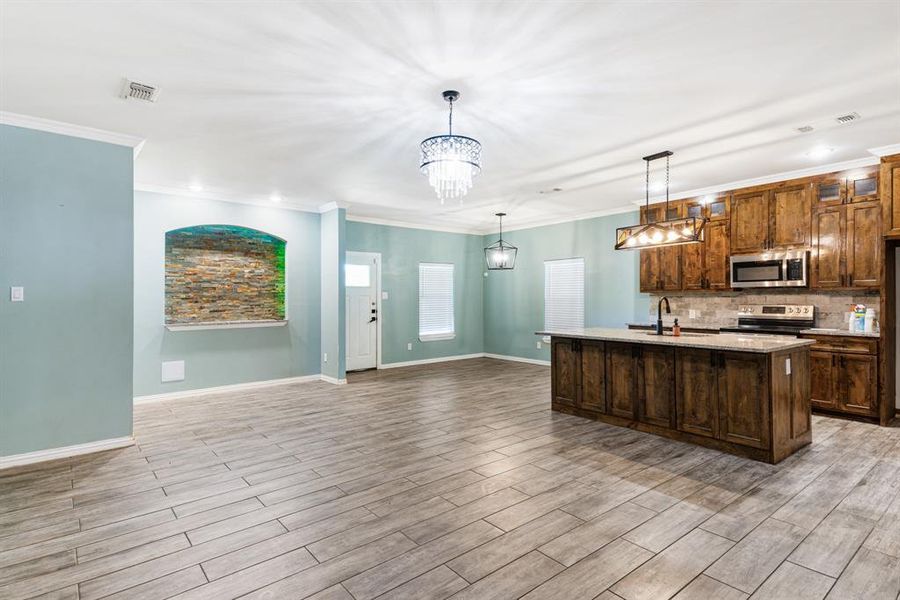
x=139, y=91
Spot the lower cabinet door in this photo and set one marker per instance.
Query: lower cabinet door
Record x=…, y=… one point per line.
x=621, y=382
x=823, y=377
x=593, y=379
x=656, y=395
x=858, y=384
x=566, y=373
x=744, y=399
x=696, y=391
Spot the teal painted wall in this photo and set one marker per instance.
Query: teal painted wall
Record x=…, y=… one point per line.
x=402, y=249
x=514, y=300
x=224, y=356
x=65, y=235
x=333, y=235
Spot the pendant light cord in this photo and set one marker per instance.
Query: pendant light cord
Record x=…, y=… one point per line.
x=451, y=117
x=667, y=187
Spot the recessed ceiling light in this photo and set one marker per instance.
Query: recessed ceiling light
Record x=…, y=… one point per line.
x=195, y=187
x=275, y=198
x=820, y=152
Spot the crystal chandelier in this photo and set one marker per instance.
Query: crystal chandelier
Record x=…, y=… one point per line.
x=500, y=256
x=450, y=161
x=669, y=232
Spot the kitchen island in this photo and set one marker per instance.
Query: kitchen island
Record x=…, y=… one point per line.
x=747, y=395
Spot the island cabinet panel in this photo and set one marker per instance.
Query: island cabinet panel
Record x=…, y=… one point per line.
x=566, y=374
x=621, y=378
x=823, y=377
x=696, y=392
x=743, y=399
x=791, y=211
x=656, y=394
x=750, y=222
x=593, y=376
x=864, y=245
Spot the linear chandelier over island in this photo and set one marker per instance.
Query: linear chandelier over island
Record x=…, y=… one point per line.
x=668, y=232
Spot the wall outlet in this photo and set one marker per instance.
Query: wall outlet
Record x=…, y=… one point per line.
x=409, y=346
x=17, y=294
x=787, y=366
x=172, y=370
x=692, y=313
x=537, y=344
x=325, y=357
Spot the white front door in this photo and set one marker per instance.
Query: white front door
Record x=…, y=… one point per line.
x=361, y=281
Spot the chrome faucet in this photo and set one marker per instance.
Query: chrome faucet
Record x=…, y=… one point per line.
x=659, y=327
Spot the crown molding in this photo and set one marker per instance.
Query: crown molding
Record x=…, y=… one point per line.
x=69, y=129
x=409, y=225
x=560, y=220
x=330, y=206
x=217, y=197
x=885, y=150
x=774, y=178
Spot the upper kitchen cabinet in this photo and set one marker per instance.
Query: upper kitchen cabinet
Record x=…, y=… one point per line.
x=862, y=185
x=750, y=222
x=790, y=217
x=771, y=219
x=830, y=189
x=890, y=194
x=715, y=208
x=858, y=185
x=661, y=267
x=847, y=246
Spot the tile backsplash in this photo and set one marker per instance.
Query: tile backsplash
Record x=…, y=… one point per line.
x=832, y=308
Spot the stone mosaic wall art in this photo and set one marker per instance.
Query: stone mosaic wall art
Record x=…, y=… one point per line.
x=224, y=273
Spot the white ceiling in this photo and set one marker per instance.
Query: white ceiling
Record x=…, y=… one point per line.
x=327, y=102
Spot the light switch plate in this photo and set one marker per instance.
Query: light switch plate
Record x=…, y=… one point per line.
x=787, y=366
x=384, y=295
x=17, y=294
x=409, y=346
x=172, y=370
x=538, y=344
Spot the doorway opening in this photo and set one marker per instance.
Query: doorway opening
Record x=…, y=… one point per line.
x=362, y=276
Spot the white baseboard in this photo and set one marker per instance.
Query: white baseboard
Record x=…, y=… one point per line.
x=332, y=380
x=18, y=460
x=530, y=361
x=251, y=385
x=428, y=361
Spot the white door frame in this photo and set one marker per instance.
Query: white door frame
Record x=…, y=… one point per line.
x=376, y=258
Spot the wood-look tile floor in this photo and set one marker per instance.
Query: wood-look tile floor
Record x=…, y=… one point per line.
x=452, y=480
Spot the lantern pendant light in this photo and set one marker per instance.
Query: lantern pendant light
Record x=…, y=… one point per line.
x=668, y=232
x=500, y=256
x=450, y=161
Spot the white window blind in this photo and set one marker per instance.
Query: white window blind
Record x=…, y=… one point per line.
x=436, y=302
x=563, y=294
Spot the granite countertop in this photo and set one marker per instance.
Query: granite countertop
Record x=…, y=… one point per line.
x=842, y=332
x=736, y=342
x=715, y=328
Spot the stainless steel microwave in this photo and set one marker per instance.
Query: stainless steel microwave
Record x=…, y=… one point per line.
x=771, y=269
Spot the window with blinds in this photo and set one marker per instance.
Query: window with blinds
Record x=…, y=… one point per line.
x=436, y=302
x=563, y=294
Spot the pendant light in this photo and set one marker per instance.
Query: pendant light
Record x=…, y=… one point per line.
x=668, y=232
x=500, y=256
x=450, y=161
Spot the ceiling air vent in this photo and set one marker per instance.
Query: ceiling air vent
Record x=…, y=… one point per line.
x=847, y=118
x=805, y=129
x=139, y=91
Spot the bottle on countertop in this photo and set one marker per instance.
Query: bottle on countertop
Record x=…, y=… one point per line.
x=676, y=329
x=870, y=321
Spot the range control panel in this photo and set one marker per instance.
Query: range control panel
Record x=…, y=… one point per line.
x=777, y=311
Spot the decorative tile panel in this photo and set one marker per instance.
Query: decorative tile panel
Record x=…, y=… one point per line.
x=224, y=273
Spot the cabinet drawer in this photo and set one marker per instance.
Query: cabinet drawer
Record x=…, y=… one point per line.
x=851, y=345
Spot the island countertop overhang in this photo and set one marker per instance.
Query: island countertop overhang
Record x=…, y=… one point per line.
x=735, y=342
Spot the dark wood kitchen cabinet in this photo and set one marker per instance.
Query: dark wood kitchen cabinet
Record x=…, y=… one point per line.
x=847, y=246
x=889, y=182
x=655, y=392
x=750, y=222
x=844, y=374
x=660, y=267
x=746, y=403
x=697, y=392
x=621, y=378
x=704, y=266
x=791, y=211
